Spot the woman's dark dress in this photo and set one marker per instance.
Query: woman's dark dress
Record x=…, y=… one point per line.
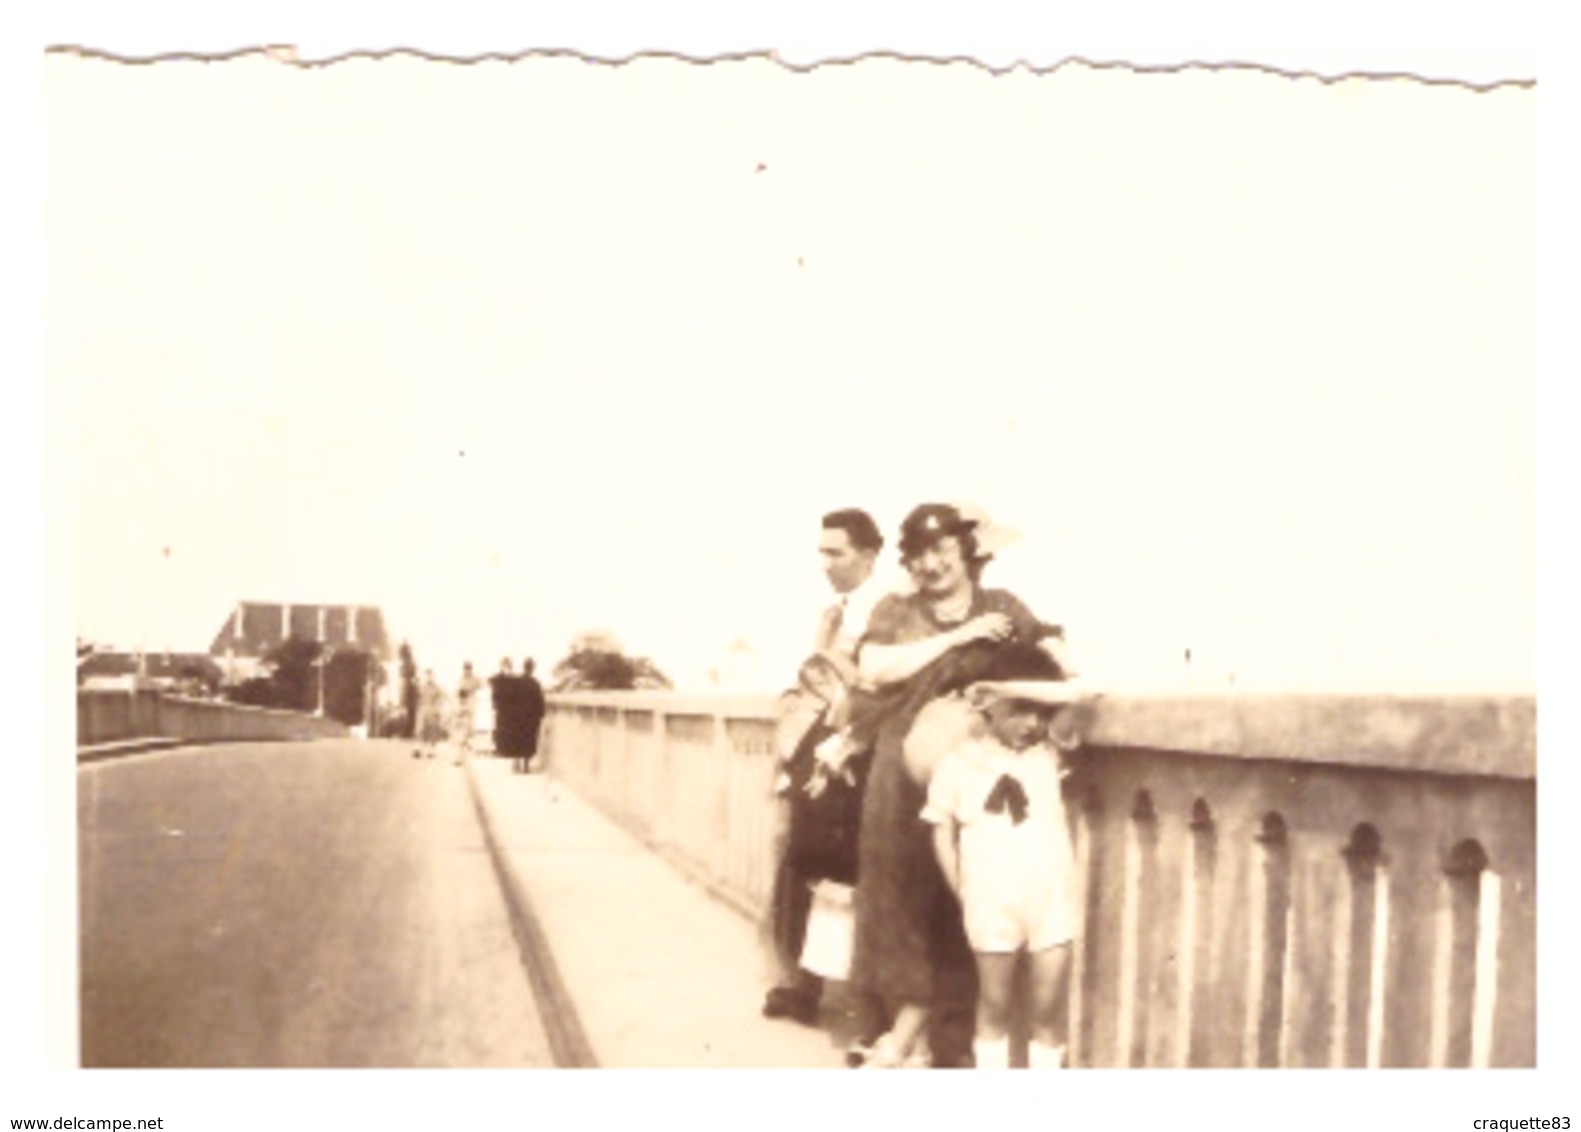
x=910, y=946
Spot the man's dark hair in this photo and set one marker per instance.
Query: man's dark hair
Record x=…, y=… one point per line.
x=858, y=526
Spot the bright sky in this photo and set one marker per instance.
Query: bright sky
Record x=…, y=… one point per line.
x=1248, y=361
x=517, y=350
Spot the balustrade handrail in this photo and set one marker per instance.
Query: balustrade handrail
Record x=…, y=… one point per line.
x=732, y=706
x=1266, y=879
x=112, y=715
x=230, y=706
x=1460, y=734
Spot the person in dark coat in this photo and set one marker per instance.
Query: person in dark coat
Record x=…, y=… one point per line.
x=506, y=694
x=532, y=712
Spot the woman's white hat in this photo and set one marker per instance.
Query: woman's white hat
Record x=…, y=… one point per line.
x=992, y=537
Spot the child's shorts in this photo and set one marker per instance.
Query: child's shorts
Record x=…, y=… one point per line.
x=1008, y=913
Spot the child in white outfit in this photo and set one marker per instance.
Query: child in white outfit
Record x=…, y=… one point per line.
x=1003, y=845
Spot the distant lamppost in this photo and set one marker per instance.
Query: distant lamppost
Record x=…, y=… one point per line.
x=370, y=712
x=322, y=662
x=164, y=605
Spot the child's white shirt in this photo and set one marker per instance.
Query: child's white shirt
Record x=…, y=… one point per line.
x=966, y=776
x=993, y=843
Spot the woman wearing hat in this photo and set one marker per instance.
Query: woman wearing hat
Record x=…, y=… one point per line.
x=910, y=949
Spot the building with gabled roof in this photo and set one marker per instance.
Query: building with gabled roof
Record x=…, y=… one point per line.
x=254, y=628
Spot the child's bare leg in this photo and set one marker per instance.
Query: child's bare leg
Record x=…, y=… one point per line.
x=996, y=974
x=1047, y=985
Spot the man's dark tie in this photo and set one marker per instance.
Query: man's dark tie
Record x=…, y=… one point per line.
x=1008, y=792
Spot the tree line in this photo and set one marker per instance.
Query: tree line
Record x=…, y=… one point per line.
x=346, y=687
x=350, y=677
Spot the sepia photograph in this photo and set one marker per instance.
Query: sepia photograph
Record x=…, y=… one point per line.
x=668, y=557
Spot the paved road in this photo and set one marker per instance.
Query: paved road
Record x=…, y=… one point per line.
x=320, y=904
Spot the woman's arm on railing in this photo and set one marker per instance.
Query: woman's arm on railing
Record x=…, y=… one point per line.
x=879, y=664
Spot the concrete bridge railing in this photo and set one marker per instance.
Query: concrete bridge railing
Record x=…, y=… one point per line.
x=1267, y=880
x=114, y=715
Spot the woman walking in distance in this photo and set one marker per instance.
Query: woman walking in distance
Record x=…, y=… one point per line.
x=430, y=729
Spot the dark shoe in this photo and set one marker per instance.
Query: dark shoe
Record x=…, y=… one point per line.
x=788, y=1002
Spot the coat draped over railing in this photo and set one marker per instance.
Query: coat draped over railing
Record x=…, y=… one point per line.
x=1267, y=880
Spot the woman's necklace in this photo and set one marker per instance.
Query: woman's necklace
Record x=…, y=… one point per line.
x=954, y=608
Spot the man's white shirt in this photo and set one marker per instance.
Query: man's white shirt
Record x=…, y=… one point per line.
x=857, y=610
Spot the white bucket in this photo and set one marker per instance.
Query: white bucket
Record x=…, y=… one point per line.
x=831, y=924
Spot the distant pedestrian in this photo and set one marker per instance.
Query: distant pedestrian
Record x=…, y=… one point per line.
x=465, y=719
x=505, y=692
x=532, y=717
x=430, y=729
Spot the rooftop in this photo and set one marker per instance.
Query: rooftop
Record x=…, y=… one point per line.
x=252, y=629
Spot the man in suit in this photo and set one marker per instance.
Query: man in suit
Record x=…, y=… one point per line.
x=848, y=545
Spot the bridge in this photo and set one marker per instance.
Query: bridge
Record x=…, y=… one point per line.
x=1268, y=880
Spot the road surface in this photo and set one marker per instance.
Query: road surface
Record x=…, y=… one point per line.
x=308, y=904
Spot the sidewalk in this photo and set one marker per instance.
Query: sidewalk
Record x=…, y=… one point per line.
x=658, y=973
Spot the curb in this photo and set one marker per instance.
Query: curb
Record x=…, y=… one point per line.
x=99, y=752
x=103, y=752
x=562, y=1025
